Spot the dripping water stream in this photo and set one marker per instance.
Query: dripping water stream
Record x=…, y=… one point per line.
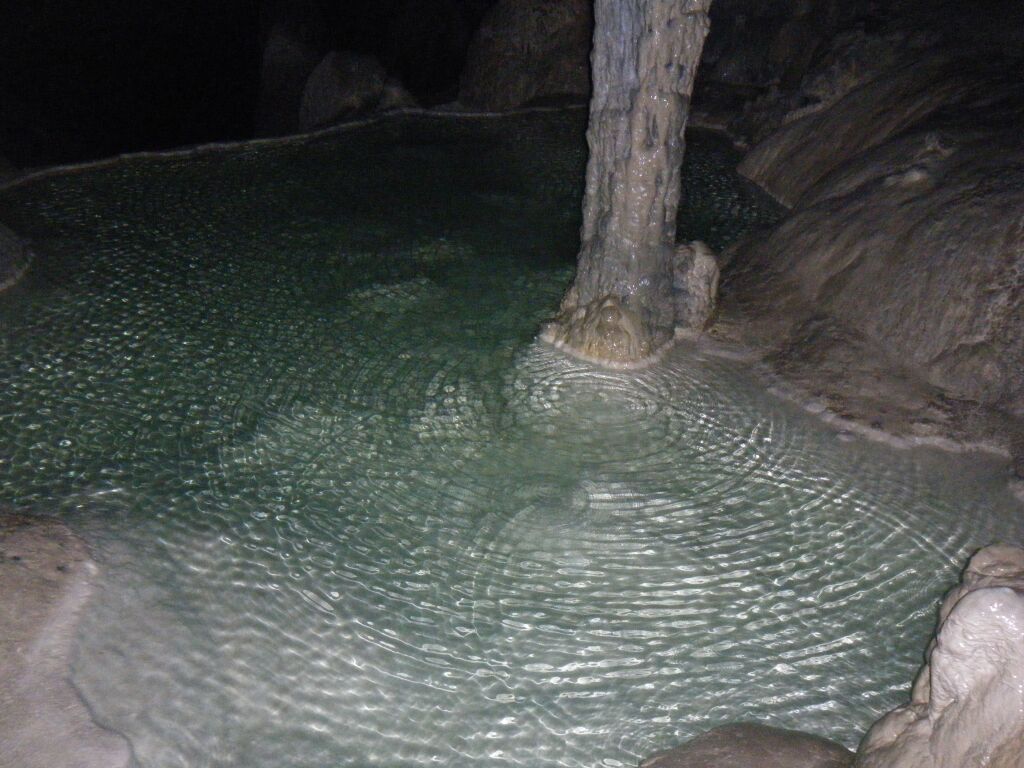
x=349, y=514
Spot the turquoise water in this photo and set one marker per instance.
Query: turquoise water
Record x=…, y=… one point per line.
x=349, y=513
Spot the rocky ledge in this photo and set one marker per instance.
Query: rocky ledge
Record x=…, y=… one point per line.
x=46, y=578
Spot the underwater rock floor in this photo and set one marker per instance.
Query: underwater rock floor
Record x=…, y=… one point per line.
x=349, y=513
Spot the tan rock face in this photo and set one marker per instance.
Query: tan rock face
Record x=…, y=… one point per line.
x=644, y=58
x=804, y=151
x=915, y=243
x=967, y=705
x=46, y=578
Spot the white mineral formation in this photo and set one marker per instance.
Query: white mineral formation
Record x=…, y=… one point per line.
x=694, y=285
x=967, y=705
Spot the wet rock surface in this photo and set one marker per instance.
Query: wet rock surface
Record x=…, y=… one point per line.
x=529, y=52
x=893, y=290
x=46, y=578
x=802, y=152
x=967, y=704
x=344, y=84
x=748, y=745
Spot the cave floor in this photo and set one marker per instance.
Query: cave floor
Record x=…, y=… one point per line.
x=349, y=512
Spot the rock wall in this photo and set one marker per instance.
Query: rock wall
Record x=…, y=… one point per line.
x=529, y=51
x=915, y=241
x=802, y=152
x=967, y=705
x=620, y=309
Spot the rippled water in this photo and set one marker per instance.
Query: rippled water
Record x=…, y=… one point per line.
x=349, y=514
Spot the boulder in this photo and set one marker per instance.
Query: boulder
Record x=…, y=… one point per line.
x=967, y=704
x=694, y=285
x=46, y=578
x=748, y=745
x=529, y=51
x=343, y=85
x=843, y=63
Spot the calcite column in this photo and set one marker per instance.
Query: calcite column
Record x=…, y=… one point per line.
x=619, y=310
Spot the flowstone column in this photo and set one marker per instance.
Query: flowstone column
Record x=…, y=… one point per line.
x=619, y=310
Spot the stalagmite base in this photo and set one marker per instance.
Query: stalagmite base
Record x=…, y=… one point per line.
x=620, y=309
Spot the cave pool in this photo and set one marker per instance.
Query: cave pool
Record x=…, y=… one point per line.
x=349, y=513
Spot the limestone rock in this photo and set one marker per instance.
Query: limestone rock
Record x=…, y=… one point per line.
x=967, y=704
x=748, y=745
x=527, y=51
x=344, y=84
x=894, y=246
x=46, y=578
x=601, y=331
x=694, y=285
x=15, y=257
x=802, y=152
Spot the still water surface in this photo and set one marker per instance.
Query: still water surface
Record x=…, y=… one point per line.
x=349, y=514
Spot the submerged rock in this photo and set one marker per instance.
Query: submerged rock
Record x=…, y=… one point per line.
x=747, y=745
x=694, y=285
x=15, y=257
x=343, y=84
x=529, y=51
x=967, y=705
x=46, y=578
